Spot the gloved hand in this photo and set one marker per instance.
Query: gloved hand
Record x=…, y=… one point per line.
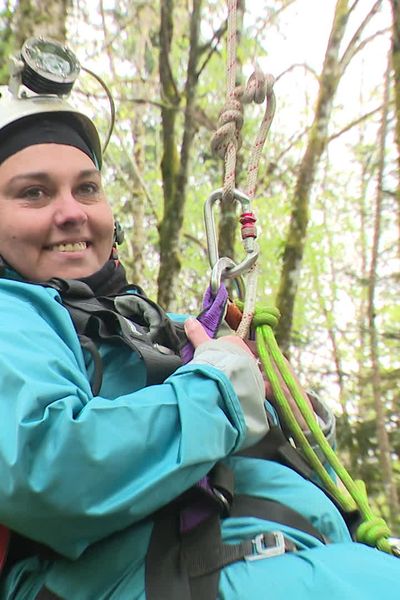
x=231, y=355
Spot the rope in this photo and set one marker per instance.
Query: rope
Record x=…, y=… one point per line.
x=373, y=530
x=227, y=139
x=226, y=142
x=231, y=118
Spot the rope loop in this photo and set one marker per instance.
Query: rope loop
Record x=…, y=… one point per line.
x=373, y=531
x=263, y=315
x=258, y=88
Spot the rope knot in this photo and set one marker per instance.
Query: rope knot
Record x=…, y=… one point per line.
x=229, y=125
x=266, y=315
x=373, y=531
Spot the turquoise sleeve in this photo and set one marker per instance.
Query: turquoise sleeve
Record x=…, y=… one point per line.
x=75, y=468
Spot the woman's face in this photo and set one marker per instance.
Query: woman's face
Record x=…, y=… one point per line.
x=55, y=220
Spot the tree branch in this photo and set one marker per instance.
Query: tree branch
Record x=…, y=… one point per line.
x=352, y=45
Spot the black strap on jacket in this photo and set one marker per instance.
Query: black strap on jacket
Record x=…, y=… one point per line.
x=276, y=447
x=187, y=564
x=98, y=318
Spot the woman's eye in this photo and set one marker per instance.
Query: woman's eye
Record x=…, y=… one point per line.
x=88, y=189
x=32, y=193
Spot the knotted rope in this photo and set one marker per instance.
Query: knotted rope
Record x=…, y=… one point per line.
x=226, y=142
x=373, y=530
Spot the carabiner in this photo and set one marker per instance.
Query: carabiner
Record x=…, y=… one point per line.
x=227, y=268
x=220, y=271
x=395, y=546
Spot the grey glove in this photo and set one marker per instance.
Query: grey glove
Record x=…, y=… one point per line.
x=242, y=370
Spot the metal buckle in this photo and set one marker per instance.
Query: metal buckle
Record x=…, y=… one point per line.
x=224, y=503
x=395, y=546
x=260, y=550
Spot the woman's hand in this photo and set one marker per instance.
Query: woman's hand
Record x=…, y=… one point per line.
x=197, y=335
x=231, y=355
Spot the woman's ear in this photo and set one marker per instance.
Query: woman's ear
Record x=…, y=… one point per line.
x=118, y=233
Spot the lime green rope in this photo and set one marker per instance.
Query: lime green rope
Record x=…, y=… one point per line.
x=373, y=530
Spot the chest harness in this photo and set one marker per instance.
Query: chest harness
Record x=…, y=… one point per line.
x=189, y=527
x=186, y=551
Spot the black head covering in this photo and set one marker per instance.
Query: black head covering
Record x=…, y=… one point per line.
x=44, y=128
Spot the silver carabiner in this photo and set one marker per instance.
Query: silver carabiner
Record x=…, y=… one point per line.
x=395, y=546
x=219, y=271
x=224, y=267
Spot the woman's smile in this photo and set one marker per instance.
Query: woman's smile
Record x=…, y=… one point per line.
x=54, y=221
x=68, y=247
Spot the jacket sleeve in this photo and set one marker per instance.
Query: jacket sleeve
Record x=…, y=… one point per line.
x=75, y=468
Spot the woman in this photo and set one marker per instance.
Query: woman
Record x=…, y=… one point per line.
x=87, y=461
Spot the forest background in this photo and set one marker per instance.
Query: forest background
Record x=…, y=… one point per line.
x=328, y=191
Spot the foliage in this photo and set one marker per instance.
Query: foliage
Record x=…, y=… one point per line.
x=329, y=342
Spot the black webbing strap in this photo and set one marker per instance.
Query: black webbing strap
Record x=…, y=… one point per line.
x=187, y=566
x=165, y=576
x=252, y=506
x=275, y=446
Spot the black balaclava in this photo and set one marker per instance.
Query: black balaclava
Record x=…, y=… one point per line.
x=44, y=128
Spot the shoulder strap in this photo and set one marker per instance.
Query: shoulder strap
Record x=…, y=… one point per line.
x=275, y=446
x=98, y=319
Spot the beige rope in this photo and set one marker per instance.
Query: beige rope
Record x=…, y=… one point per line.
x=227, y=139
x=226, y=142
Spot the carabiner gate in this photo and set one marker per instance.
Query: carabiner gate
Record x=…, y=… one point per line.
x=224, y=267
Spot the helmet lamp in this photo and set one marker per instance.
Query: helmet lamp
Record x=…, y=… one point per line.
x=48, y=67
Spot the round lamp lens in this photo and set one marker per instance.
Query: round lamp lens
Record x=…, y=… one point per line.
x=48, y=65
x=55, y=65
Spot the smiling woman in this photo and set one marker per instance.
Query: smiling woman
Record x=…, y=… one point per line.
x=54, y=217
x=114, y=455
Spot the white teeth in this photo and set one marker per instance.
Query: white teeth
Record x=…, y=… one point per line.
x=75, y=247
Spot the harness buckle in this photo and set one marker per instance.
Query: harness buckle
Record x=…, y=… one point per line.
x=223, y=501
x=262, y=550
x=395, y=546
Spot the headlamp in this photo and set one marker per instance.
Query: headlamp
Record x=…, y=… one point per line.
x=48, y=67
x=41, y=78
x=44, y=67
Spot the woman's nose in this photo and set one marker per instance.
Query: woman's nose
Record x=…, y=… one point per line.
x=68, y=210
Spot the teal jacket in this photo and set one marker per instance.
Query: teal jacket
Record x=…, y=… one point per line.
x=84, y=474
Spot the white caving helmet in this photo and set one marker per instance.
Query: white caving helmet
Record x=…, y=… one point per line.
x=41, y=79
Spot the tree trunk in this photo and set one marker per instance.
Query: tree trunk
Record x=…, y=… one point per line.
x=40, y=18
x=382, y=435
x=5, y=42
x=134, y=207
x=316, y=144
x=396, y=78
x=174, y=165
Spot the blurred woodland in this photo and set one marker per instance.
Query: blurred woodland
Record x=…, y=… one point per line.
x=328, y=190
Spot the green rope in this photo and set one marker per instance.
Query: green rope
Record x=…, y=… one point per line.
x=373, y=530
